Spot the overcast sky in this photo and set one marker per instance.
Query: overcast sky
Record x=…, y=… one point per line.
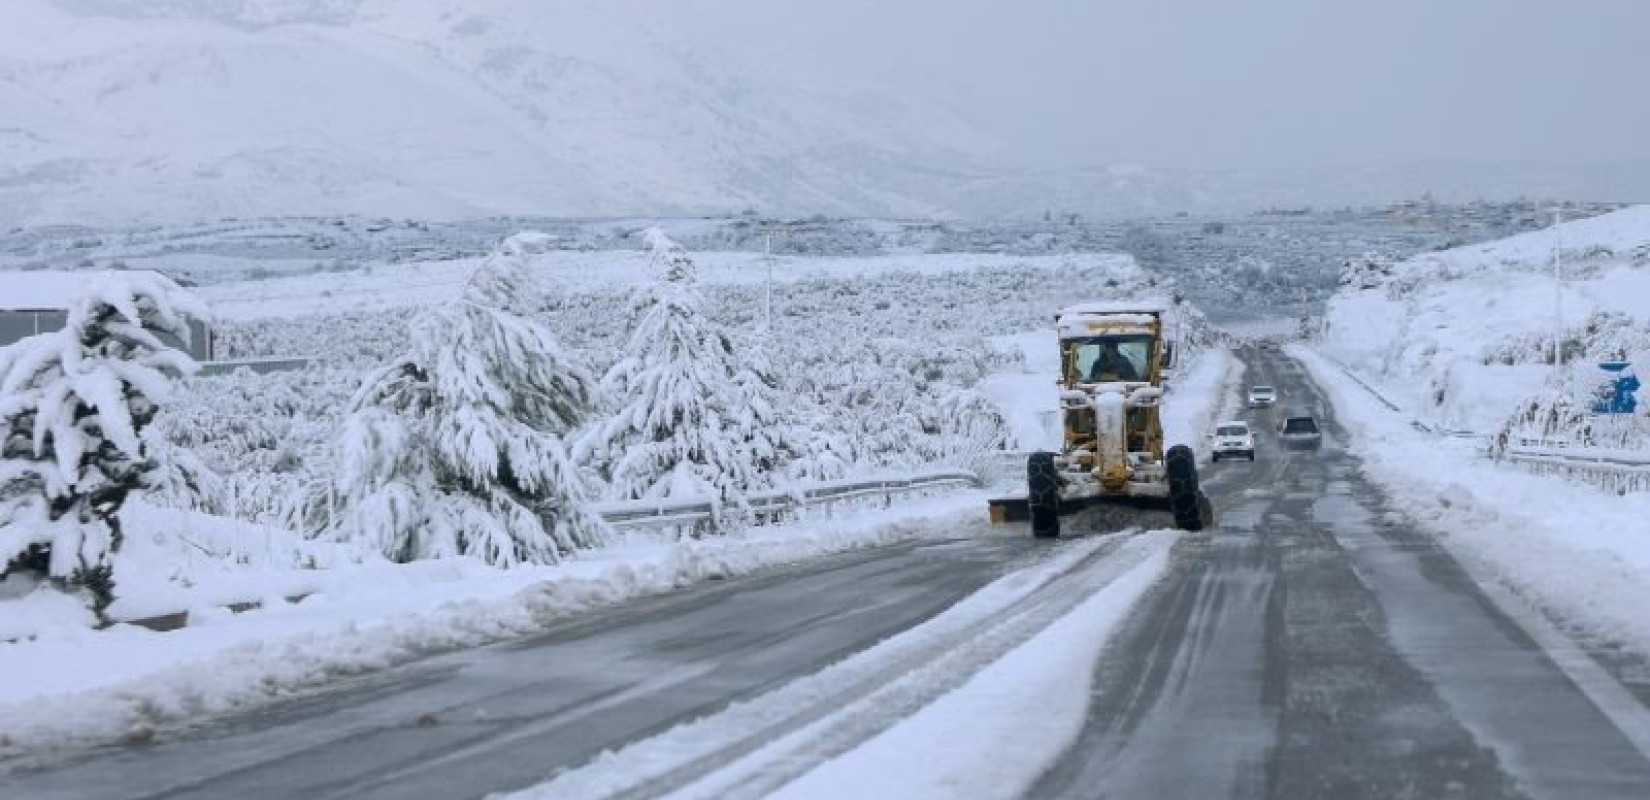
x=1242, y=83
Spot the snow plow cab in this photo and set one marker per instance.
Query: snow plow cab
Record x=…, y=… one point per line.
x=1113, y=360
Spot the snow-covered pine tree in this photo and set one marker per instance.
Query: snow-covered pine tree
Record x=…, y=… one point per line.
x=695, y=418
x=459, y=446
x=74, y=405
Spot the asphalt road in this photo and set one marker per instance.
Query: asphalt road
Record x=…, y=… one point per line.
x=508, y=716
x=1313, y=646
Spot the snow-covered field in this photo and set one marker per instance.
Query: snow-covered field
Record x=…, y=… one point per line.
x=1463, y=337
x=404, y=286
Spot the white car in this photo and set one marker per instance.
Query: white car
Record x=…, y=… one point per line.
x=1233, y=439
x=1262, y=397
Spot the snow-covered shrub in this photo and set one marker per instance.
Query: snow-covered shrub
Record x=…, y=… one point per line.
x=74, y=406
x=1367, y=271
x=458, y=447
x=695, y=418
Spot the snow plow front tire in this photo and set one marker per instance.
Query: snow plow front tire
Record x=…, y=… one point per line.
x=1043, y=495
x=1191, y=508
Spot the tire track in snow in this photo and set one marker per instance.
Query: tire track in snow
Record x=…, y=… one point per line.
x=753, y=748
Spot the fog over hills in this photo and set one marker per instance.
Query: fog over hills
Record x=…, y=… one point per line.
x=173, y=110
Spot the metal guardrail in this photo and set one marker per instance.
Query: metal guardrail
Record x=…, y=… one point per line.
x=684, y=510
x=1624, y=459
x=259, y=366
x=691, y=510
x=1620, y=471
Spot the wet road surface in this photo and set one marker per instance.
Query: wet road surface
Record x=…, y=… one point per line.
x=1315, y=646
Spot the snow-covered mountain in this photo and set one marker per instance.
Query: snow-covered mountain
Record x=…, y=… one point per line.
x=121, y=111
x=194, y=109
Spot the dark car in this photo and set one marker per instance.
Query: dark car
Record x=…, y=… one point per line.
x=1300, y=432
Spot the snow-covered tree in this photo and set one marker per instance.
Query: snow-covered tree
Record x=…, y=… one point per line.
x=459, y=447
x=696, y=416
x=74, y=406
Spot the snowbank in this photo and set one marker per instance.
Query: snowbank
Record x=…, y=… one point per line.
x=1578, y=553
x=1199, y=397
x=1461, y=336
x=997, y=734
x=59, y=686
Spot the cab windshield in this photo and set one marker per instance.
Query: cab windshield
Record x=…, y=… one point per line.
x=1102, y=359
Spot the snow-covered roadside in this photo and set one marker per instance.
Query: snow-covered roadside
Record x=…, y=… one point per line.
x=1028, y=398
x=1200, y=397
x=58, y=688
x=993, y=737
x=1576, y=552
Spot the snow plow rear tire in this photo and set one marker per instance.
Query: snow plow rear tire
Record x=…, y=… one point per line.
x=1043, y=495
x=1191, y=508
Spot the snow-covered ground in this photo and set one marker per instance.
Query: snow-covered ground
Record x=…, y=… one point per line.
x=398, y=286
x=1461, y=337
x=374, y=615
x=1577, y=552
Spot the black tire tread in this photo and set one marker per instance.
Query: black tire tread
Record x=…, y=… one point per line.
x=1043, y=495
x=1186, y=501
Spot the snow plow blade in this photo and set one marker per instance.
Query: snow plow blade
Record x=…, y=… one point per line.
x=1018, y=509
x=1009, y=509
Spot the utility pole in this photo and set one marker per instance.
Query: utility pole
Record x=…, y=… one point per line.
x=767, y=290
x=1304, y=322
x=1558, y=289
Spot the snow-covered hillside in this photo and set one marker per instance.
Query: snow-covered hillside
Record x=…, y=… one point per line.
x=1465, y=335
x=201, y=109
x=122, y=111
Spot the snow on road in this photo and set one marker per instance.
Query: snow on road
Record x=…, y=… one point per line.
x=1575, y=551
x=993, y=737
x=58, y=686
x=942, y=695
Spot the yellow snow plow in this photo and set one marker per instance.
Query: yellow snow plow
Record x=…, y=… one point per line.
x=1113, y=359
